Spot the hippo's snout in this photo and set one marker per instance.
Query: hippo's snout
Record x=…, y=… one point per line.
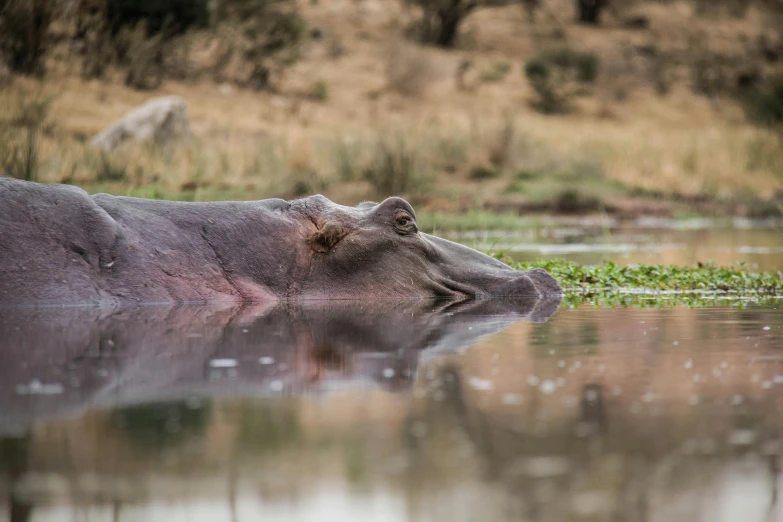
x=536, y=282
x=544, y=282
x=474, y=274
x=522, y=285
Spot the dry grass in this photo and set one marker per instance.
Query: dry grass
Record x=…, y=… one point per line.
x=251, y=145
x=410, y=69
x=287, y=148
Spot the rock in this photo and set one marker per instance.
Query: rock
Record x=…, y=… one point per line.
x=162, y=121
x=225, y=89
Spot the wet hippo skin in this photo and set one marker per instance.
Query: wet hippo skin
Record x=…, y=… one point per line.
x=59, y=245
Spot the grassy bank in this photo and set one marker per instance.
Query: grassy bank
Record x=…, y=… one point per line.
x=528, y=164
x=366, y=112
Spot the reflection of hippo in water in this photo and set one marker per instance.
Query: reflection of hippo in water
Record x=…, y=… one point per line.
x=55, y=360
x=60, y=245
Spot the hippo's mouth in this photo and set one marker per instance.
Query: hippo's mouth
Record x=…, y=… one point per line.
x=510, y=285
x=447, y=288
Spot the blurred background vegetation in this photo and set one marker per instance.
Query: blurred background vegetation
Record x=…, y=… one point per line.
x=567, y=106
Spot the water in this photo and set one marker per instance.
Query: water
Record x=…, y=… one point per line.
x=413, y=411
x=680, y=242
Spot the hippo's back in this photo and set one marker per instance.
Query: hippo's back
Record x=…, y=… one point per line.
x=54, y=240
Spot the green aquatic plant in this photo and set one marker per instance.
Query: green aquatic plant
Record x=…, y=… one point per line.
x=608, y=299
x=657, y=278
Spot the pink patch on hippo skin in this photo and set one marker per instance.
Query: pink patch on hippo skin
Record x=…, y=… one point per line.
x=246, y=313
x=324, y=238
x=251, y=291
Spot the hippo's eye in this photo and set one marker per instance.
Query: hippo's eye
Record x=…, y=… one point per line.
x=404, y=223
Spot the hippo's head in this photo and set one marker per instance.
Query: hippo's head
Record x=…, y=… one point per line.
x=376, y=250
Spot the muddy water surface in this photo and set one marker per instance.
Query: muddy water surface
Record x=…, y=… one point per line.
x=405, y=412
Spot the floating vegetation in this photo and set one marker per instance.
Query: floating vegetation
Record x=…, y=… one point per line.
x=692, y=299
x=659, y=279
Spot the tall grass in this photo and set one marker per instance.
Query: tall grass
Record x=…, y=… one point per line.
x=395, y=167
x=20, y=136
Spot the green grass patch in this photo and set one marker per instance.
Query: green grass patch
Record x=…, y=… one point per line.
x=157, y=191
x=433, y=222
x=657, y=301
x=496, y=73
x=657, y=278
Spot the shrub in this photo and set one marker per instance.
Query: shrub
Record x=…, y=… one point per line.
x=451, y=151
x=146, y=44
x=21, y=159
x=559, y=75
x=531, y=7
x=574, y=201
x=348, y=163
x=661, y=72
x=265, y=35
x=589, y=11
x=409, y=70
x=254, y=39
x=304, y=182
x=95, y=40
x=501, y=146
x=497, y=73
x=394, y=167
x=178, y=62
x=24, y=33
x=764, y=104
x=143, y=57
x=709, y=70
x=170, y=16
x=111, y=169
x=733, y=8
x=763, y=153
x=441, y=19
x=482, y=172
x=319, y=91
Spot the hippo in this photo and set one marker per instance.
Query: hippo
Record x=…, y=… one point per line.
x=60, y=245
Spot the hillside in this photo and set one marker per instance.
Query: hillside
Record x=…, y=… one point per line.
x=365, y=111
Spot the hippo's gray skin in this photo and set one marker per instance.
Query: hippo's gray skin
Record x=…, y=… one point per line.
x=59, y=245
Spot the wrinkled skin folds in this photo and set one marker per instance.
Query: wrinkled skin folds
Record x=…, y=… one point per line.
x=59, y=245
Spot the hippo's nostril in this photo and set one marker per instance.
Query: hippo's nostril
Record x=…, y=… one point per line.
x=544, y=283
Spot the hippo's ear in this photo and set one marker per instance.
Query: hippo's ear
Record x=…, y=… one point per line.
x=323, y=239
